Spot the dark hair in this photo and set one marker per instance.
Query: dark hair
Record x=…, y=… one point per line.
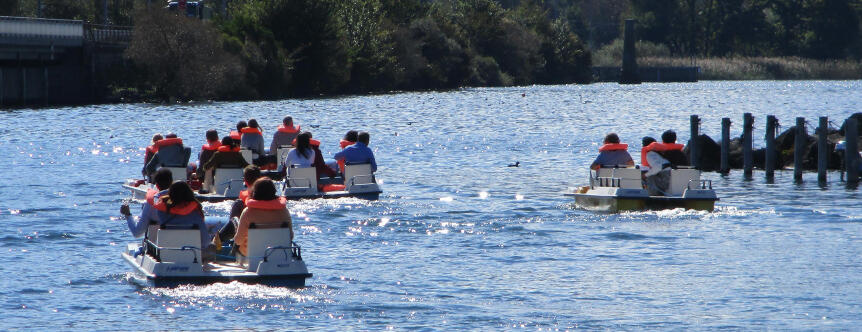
x=157, y=137
x=287, y=121
x=668, y=136
x=241, y=124
x=212, y=135
x=252, y=123
x=180, y=193
x=263, y=189
x=303, y=144
x=227, y=141
x=647, y=140
x=163, y=178
x=363, y=137
x=171, y=135
x=612, y=138
x=250, y=174
x=351, y=136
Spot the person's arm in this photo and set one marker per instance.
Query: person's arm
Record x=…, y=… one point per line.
x=137, y=227
x=260, y=147
x=373, y=162
x=339, y=155
x=289, y=224
x=597, y=163
x=241, y=237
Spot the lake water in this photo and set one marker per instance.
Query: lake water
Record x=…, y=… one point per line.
x=457, y=240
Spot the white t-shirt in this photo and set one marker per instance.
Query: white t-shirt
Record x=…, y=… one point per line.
x=297, y=160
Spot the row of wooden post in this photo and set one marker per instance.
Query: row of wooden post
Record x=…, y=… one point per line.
x=851, y=155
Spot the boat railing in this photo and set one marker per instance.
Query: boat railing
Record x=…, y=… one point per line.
x=605, y=182
x=295, y=251
x=703, y=184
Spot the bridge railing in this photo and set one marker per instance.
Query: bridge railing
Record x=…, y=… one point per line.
x=112, y=34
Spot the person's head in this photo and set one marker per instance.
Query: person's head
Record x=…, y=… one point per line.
x=252, y=123
x=250, y=174
x=171, y=135
x=227, y=141
x=351, y=136
x=668, y=136
x=647, y=140
x=212, y=135
x=287, y=121
x=241, y=124
x=180, y=193
x=612, y=138
x=158, y=137
x=263, y=189
x=303, y=143
x=163, y=178
x=363, y=137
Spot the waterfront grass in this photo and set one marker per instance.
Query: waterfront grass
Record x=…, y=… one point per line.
x=763, y=68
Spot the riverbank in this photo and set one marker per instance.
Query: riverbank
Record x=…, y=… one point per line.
x=762, y=68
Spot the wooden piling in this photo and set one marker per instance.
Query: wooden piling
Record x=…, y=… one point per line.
x=799, y=144
x=851, y=150
x=725, y=146
x=748, y=160
x=692, y=146
x=769, y=164
x=822, y=146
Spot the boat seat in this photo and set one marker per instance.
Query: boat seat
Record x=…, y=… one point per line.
x=247, y=155
x=228, y=181
x=177, y=173
x=682, y=179
x=604, y=172
x=281, y=154
x=357, y=174
x=171, y=242
x=302, y=180
x=630, y=178
x=263, y=237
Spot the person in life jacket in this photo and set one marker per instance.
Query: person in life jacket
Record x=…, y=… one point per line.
x=265, y=209
x=151, y=151
x=163, y=179
x=208, y=150
x=348, y=140
x=252, y=139
x=236, y=134
x=170, y=152
x=645, y=142
x=250, y=174
x=319, y=164
x=179, y=209
x=226, y=156
x=359, y=152
x=661, y=158
x=612, y=153
x=283, y=136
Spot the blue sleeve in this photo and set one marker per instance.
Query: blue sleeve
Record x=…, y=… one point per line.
x=373, y=163
x=339, y=155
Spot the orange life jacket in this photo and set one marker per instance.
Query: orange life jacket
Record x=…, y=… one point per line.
x=345, y=143
x=275, y=204
x=643, y=156
x=243, y=195
x=658, y=147
x=235, y=135
x=182, y=209
x=312, y=142
x=151, y=196
x=211, y=146
x=250, y=130
x=226, y=148
x=166, y=142
x=288, y=130
x=613, y=147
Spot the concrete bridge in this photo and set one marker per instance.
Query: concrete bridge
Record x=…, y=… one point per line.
x=47, y=61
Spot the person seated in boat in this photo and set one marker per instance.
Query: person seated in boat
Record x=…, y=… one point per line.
x=359, y=152
x=661, y=158
x=180, y=209
x=250, y=174
x=207, y=151
x=303, y=155
x=252, y=139
x=284, y=135
x=237, y=134
x=612, y=153
x=265, y=209
x=226, y=156
x=645, y=142
x=348, y=140
x=319, y=164
x=170, y=153
x=151, y=150
x=162, y=179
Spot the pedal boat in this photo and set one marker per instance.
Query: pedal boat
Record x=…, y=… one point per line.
x=359, y=182
x=621, y=189
x=174, y=258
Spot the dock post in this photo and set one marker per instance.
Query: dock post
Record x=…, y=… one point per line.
x=822, y=145
x=629, y=72
x=769, y=161
x=748, y=160
x=693, y=149
x=799, y=143
x=725, y=145
x=851, y=152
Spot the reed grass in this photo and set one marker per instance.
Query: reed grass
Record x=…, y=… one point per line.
x=763, y=68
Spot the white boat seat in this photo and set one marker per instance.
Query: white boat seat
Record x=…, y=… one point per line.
x=357, y=174
x=281, y=154
x=228, y=181
x=302, y=180
x=171, y=242
x=682, y=179
x=263, y=237
x=177, y=173
x=247, y=155
x=630, y=178
x=604, y=172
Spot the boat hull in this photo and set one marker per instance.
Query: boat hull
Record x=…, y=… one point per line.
x=615, y=200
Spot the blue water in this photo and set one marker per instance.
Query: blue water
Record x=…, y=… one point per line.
x=457, y=240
